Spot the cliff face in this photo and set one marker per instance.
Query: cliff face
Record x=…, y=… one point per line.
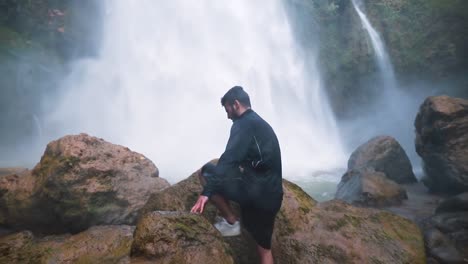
x=37, y=40
x=66, y=28
x=426, y=41
x=424, y=37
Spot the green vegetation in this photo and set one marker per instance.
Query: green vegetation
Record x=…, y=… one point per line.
x=426, y=40
x=354, y=221
x=423, y=36
x=306, y=203
x=323, y=252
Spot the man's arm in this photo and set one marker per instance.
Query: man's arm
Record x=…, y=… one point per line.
x=236, y=150
x=199, y=205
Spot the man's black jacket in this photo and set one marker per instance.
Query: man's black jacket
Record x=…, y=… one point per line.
x=253, y=146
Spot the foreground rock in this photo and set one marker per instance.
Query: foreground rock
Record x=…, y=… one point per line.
x=174, y=237
x=442, y=142
x=448, y=228
x=337, y=232
x=366, y=187
x=80, y=181
x=179, y=197
x=13, y=170
x=16, y=203
x=441, y=248
x=383, y=154
x=100, y=244
x=305, y=232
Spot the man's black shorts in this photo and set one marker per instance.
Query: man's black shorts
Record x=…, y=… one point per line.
x=258, y=208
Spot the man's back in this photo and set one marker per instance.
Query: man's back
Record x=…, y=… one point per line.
x=263, y=159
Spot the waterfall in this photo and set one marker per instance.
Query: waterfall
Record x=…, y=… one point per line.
x=394, y=111
x=383, y=60
x=163, y=67
x=37, y=124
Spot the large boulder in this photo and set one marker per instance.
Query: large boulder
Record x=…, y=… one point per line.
x=337, y=232
x=453, y=204
x=16, y=192
x=383, y=154
x=99, y=244
x=177, y=237
x=447, y=229
x=366, y=187
x=441, y=247
x=442, y=143
x=182, y=196
x=307, y=232
x=80, y=181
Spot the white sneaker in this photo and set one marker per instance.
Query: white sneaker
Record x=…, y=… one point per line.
x=227, y=229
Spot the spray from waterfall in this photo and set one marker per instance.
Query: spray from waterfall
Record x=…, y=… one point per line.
x=162, y=67
x=394, y=110
x=37, y=124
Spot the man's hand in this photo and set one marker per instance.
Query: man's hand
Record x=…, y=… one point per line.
x=200, y=204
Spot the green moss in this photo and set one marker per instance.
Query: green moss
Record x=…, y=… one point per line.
x=322, y=252
x=283, y=225
x=401, y=229
x=113, y=256
x=51, y=165
x=11, y=39
x=337, y=225
x=189, y=226
x=306, y=203
x=375, y=260
x=344, y=221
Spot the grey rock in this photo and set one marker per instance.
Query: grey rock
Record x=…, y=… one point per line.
x=383, y=154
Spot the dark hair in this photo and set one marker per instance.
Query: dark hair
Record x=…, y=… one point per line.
x=236, y=93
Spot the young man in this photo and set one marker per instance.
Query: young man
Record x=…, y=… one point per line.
x=248, y=172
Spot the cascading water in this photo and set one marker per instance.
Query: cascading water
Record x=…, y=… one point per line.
x=162, y=68
x=383, y=60
x=395, y=107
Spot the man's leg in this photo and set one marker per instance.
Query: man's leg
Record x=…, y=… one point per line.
x=265, y=255
x=221, y=204
x=260, y=224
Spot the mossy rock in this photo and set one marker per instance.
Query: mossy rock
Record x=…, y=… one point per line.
x=179, y=197
x=100, y=244
x=175, y=237
x=338, y=232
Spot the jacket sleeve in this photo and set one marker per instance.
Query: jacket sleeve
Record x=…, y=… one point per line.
x=236, y=150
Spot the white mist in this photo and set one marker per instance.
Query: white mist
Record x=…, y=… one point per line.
x=394, y=111
x=163, y=67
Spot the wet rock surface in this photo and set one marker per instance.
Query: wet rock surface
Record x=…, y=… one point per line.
x=80, y=181
x=441, y=248
x=308, y=232
x=99, y=244
x=442, y=142
x=383, y=154
x=175, y=237
x=366, y=187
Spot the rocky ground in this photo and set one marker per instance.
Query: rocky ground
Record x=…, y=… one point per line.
x=91, y=201
x=420, y=205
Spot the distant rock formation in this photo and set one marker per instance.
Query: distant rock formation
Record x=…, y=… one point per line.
x=374, y=170
x=383, y=154
x=442, y=142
